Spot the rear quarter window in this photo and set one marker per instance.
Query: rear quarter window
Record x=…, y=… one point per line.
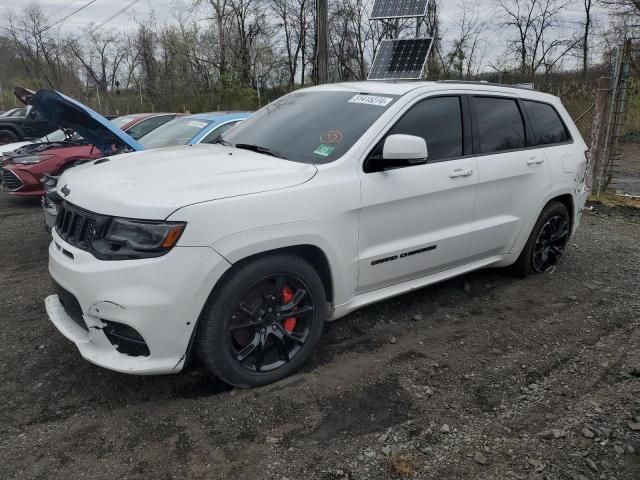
x=546, y=123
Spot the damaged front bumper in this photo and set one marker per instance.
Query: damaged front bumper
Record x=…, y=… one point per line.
x=131, y=316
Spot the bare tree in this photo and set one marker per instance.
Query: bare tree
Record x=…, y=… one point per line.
x=294, y=21
x=462, y=58
x=36, y=45
x=588, y=6
x=533, y=22
x=101, y=57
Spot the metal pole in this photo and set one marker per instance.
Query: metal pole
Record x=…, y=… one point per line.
x=597, y=131
x=98, y=95
x=322, y=38
x=258, y=80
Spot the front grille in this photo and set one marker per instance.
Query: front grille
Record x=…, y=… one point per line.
x=71, y=306
x=10, y=181
x=77, y=226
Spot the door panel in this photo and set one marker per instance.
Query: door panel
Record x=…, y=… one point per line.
x=510, y=187
x=415, y=221
x=513, y=179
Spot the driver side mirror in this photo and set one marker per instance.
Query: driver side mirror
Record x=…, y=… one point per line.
x=401, y=149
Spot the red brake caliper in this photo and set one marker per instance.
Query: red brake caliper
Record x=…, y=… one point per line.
x=289, y=323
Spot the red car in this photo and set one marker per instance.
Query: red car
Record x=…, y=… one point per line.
x=23, y=169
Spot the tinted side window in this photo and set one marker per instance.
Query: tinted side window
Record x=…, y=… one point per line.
x=546, y=123
x=437, y=120
x=499, y=122
x=143, y=127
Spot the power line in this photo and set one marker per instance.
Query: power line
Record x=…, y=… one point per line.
x=67, y=16
x=102, y=24
x=118, y=13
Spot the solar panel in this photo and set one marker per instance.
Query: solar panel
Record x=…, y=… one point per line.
x=399, y=8
x=400, y=59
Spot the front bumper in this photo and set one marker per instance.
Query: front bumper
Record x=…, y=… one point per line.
x=160, y=298
x=21, y=182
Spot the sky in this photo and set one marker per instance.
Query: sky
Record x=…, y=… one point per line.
x=101, y=10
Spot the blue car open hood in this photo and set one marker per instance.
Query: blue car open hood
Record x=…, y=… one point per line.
x=65, y=112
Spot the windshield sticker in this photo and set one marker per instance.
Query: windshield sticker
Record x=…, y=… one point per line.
x=197, y=124
x=371, y=100
x=324, y=150
x=334, y=136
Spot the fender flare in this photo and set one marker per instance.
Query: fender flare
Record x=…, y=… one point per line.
x=263, y=240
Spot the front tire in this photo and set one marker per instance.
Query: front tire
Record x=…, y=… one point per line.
x=547, y=241
x=263, y=320
x=7, y=136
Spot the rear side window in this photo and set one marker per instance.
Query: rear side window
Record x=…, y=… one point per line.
x=499, y=124
x=546, y=123
x=143, y=127
x=439, y=121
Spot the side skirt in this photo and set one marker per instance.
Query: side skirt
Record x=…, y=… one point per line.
x=404, y=287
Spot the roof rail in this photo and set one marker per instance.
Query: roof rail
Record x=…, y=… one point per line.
x=521, y=86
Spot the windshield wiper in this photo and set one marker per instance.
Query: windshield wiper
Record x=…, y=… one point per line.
x=222, y=141
x=259, y=149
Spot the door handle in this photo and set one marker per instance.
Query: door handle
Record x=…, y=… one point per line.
x=535, y=161
x=460, y=173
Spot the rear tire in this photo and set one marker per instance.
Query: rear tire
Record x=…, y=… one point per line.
x=7, y=136
x=547, y=241
x=263, y=321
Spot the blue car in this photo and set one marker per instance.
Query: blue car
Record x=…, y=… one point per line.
x=192, y=129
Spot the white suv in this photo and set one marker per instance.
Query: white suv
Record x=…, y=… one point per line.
x=326, y=200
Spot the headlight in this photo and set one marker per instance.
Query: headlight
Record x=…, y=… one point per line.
x=129, y=239
x=30, y=159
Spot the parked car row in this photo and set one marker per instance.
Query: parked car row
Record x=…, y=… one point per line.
x=33, y=168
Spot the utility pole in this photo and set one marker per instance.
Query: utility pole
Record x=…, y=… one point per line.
x=322, y=38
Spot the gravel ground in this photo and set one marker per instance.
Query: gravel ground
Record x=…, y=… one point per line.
x=484, y=376
x=626, y=171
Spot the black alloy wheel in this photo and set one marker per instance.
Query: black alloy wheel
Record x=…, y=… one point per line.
x=550, y=244
x=547, y=241
x=271, y=323
x=262, y=320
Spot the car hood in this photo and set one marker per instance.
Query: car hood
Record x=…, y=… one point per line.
x=12, y=147
x=155, y=183
x=67, y=113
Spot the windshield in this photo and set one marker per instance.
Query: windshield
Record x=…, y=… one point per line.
x=176, y=132
x=57, y=136
x=310, y=126
x=122, y=121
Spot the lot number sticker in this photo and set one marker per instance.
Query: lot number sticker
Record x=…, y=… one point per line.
x=371, y=100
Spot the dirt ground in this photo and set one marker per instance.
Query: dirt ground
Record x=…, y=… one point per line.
x=481, y=377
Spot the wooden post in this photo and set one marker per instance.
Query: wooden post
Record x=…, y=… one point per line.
x=597, y=131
